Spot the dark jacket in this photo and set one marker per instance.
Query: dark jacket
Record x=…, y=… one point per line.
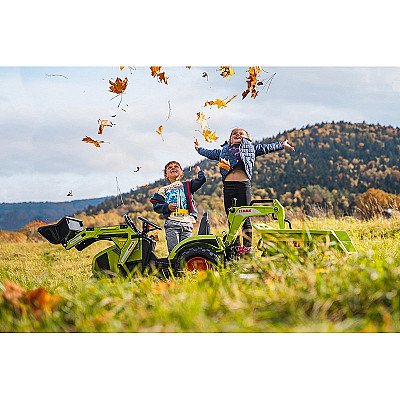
x=248, y=153
x=189, y=187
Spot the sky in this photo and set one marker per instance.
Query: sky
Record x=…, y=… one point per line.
x=44, y=116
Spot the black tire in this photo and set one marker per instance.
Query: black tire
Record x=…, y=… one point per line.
x=198, y=258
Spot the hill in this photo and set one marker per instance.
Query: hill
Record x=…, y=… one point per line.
x=333, y=163
x=14, y=216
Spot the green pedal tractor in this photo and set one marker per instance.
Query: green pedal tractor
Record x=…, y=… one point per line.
x=133, y=249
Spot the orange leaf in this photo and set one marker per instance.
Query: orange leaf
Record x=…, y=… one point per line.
x=97, y=143
x=118, y=86
x=102, y=124
x=121, y=68
x=226, y=72
x=224, y=164
x=156, y=72
x=159, y=130
x=196, y=142
x=142, y=187
x=252, y=82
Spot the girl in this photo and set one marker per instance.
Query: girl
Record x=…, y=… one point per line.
x=240, y=154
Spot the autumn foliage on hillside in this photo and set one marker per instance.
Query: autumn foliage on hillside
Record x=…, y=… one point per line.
x=333, y=164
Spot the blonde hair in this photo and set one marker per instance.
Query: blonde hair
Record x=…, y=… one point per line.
x=246, y=134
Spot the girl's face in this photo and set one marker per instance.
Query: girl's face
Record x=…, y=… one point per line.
x=237, y=136
x=173, y=172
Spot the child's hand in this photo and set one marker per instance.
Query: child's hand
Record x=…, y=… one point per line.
x=197, y=169
x=172, y=207
x=286, y=145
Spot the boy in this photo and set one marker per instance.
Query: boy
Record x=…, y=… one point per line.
x=175, y=203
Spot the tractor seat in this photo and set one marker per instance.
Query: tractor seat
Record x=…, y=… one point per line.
x=204, y=227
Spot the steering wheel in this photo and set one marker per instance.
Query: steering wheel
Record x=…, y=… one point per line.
x=146, y=221
x=131, y=224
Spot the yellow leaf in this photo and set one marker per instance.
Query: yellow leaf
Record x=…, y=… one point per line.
x=226, y=72
x=209, y=136
x=202, y=120
x=225, y=164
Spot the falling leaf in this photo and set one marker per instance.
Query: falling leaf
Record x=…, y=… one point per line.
x=142, y=187
x=196, y=142
x=218, y=102
x=159, y=130
x=118, y=86
x=156, y=72
x=202, y=120
x=226, y=72
x=188, y=67
x=70, y=193
x=121, y=68
x=224, y=164
x=209, y=136
x=205, y=75
x=252, y=81
x=137, y=169
x=112, y=116
x=97, y=143
x=103, y=123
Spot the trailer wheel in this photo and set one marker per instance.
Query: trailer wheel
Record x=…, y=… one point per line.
x=198, y=259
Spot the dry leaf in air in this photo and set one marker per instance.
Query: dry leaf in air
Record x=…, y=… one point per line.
x=202, y=120
x=218, y=102
x=102, y=123
x=209, y=136
x=226, y=72
x=156, y=72
x=252, y=82
x=118, y=86
x=224, y=164
x=97, y=143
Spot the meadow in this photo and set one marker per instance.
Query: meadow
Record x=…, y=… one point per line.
x=318, y=291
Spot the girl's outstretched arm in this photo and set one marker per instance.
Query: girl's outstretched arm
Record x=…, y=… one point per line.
x=211, y=154
x=265, y=148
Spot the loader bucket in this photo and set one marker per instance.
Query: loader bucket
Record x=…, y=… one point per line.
x=62, y=231
x=275, y=238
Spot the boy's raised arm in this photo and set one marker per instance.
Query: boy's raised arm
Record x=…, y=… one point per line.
x=197, y=183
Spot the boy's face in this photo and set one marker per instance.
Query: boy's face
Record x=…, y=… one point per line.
x=173, y=172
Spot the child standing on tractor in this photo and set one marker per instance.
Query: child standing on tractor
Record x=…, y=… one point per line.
x=175, y=203
x=239, y=154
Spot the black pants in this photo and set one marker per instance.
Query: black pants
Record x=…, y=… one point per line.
x=242, y=192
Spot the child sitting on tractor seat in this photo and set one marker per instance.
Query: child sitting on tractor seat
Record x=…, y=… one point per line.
x=175, y=203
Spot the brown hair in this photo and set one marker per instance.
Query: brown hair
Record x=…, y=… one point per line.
x=168, y=164
x=246, y=134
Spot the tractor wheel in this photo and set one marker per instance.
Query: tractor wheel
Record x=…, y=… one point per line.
x=198, y=259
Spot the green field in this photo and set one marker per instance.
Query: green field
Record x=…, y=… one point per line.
x=321, y=291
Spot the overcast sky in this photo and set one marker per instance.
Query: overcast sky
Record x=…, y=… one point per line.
x=43, y=119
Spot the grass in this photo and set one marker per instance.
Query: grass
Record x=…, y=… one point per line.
x=320, y=291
